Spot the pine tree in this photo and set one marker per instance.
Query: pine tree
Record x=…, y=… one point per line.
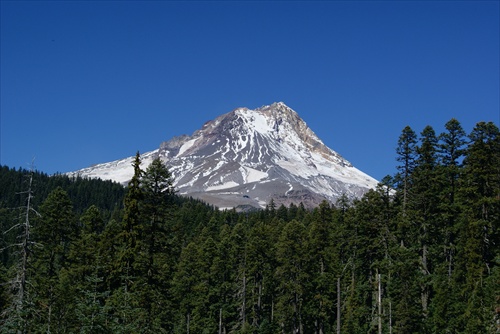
x=55, y=230
x=186, y=288
x=406, y=155
x=480, y=198
x=322, y=262
x=451, y=153
x=423, y=208
x=261, y=262
x=153, y=264
x=375, y=245
x=132, y=218
x=445, y=298
x=124, y=300
x=292, y=277
x=85, y=276
x=90, y=309
x=224, y=270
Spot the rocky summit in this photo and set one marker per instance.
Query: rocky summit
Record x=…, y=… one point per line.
x=245, y=158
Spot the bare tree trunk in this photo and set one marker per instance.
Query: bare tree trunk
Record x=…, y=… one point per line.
x=259, y=300
x=379, y=302
x=220, y=320
x=295, y=313
x=299, y=328
x=49, y=317
x=257, y=318
x=338, y=305
x=450, y=260
x=425, y=272
x=21, y=280
x=390, y=317
x=244, y=302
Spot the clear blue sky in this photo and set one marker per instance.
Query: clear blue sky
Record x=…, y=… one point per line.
x=85, y=82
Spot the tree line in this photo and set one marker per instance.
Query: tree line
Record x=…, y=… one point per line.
x=418, y=254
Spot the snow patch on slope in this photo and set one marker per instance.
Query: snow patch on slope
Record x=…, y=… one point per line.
x=186, y=146
x=253, y=175
x=227, y=185
x=261, y=153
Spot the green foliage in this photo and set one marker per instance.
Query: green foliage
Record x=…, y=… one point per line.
x=419, y=254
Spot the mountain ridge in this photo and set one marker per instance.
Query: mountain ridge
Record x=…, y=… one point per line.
x=246, y=157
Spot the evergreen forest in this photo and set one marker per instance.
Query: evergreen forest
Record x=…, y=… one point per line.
x=418, y=254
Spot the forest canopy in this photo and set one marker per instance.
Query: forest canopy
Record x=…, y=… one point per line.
x=418, y=254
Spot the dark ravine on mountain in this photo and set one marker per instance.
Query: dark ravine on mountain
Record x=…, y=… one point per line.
x=246, y=157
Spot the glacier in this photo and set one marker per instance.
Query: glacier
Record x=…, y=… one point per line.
x=247, y=157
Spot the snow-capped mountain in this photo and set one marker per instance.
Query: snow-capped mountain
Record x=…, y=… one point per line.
x=246, y=157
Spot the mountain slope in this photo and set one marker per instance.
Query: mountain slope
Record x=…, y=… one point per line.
x=246, y=157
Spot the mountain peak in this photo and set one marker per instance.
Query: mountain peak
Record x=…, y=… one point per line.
x=246, y=157
x=277, y=106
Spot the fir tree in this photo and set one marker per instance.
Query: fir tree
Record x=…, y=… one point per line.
x=124, y=299
x=423, y=206
x=292, y=277
x=479, y=233
x=55, y=230
x=154, y=262
x=406, y=155
x=322, y=262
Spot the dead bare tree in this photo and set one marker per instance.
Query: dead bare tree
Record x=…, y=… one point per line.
x=14, y=317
